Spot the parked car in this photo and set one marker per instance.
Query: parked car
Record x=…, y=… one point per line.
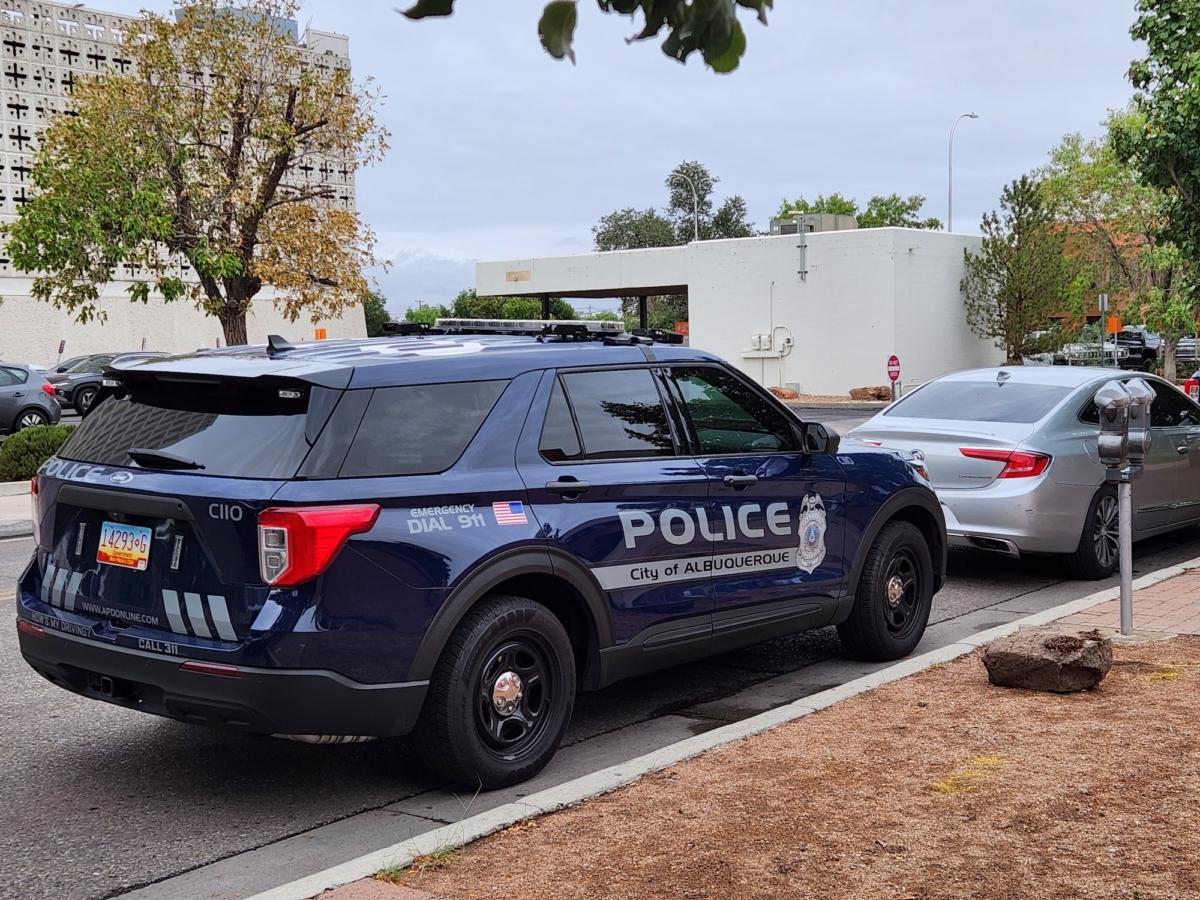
x=1012, y=455
x=26, y=399
x=79, y=385
x=451, y=535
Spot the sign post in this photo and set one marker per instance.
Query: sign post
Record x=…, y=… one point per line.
x=893, y=370
x=1102, y=305
x=62, y=345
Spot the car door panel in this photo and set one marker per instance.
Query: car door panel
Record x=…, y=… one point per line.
x=1167, y=492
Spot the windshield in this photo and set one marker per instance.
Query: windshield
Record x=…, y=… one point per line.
x=981, y=401
x=89, y=364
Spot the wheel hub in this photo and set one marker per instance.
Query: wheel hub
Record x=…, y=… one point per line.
x=507, y=692
x=895, y=590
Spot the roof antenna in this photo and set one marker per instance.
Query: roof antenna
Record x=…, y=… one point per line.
x=276, y=344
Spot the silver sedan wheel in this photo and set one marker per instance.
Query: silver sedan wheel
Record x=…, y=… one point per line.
x=30, y=419
x=1104, y=531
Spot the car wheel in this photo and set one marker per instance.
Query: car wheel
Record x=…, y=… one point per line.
x=501, y=695
x=895, y=595
x=1098, y=553
x=31, y=418
x=84, y=398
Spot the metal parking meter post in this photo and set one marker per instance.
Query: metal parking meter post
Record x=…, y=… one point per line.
x=1141, y=396
x=1113, y=401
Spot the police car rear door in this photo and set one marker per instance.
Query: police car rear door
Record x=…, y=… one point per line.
x=777, y=513
x=607, y=477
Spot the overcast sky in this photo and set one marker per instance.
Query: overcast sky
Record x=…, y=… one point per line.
x=499, y=151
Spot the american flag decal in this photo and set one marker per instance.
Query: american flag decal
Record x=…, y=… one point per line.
x=509, y=512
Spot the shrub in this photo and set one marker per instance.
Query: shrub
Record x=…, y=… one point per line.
x=22, y=454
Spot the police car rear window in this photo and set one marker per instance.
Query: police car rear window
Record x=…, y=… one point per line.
x=240, y=433
x=981, y=401
x=419, y=429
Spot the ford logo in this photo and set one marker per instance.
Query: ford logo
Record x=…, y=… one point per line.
x=121, y=477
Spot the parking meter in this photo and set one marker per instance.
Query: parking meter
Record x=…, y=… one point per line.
x=1113, y=402
x=1141, y=395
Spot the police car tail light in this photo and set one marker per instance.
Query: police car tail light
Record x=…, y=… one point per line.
x=35, y=514
x=297, y=543
x=1017, y=463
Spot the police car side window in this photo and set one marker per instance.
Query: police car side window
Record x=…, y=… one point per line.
x=620, y=414
x=728, y=417
x=560, y=440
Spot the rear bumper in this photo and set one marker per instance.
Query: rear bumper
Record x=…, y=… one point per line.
x=1012, y=516
x=265, y=701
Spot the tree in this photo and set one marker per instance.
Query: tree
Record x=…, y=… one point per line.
x=1021, y=275
x=708, y=27
x=631, y=229
x=1164, y=144
x=426, y=314
x=191, y=155
x=891, y=211
x=1113, y=219
x=376, y=313
x=469, y=305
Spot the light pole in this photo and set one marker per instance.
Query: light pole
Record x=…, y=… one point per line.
x=950, y=172
x=695, y=204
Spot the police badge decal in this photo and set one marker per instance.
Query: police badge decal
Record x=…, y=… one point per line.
x=811, y=551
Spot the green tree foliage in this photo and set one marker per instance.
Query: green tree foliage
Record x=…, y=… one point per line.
x=631, y=229
x=469, y=305
x=708, y=27
x=426, y=314
x=1021, y=275
x=157, y=164
x=376, y=313
x=891, y=211
x=1113, y=219
x=1163, y=144
x=24, y=452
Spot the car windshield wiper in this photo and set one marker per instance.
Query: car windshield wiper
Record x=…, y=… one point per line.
x=161, y=459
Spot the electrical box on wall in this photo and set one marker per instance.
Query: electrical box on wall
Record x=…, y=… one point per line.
x=760, y=341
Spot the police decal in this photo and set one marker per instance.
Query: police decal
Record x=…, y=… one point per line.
x=811, y=552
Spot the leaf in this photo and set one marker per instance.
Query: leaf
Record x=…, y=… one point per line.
x=423, y=9
x=724, y=56
x=557, y=28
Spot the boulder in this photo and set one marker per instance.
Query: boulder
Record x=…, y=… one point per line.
x=785, y=393
x=883, y=392
x=1049, y=659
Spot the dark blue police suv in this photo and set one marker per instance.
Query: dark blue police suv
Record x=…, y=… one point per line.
x=451, y=535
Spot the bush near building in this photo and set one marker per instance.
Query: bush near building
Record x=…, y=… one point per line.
x=22, y=454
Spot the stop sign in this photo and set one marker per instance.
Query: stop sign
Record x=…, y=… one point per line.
x=893, y=367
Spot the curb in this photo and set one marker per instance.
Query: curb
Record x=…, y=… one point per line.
x=13, y=488
x=606, y=780
x=15, y=529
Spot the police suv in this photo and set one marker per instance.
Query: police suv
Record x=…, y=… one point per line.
x=452, y=534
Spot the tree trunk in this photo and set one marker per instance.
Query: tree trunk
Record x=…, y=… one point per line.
x=1168, y=361
x=233, y=323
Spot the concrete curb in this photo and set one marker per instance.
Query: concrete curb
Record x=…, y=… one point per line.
x=13, y=488
x=16, y=528
x=606, y=780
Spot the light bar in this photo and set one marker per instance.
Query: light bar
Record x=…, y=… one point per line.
x=531, y=326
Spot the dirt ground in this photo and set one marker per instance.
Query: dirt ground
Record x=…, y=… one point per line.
x=936, y=786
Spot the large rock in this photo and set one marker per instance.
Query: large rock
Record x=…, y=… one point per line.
x=1049, y=659
x=784, y=393
x=883, y=392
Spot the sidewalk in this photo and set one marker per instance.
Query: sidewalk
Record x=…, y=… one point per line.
x=957, y=788
x=14, y=511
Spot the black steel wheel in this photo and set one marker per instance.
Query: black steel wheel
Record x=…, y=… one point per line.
x=501, y=695
x=895, y=595
x=1098, y=553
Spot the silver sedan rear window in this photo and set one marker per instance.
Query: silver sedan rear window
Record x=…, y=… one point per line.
x=981, y=401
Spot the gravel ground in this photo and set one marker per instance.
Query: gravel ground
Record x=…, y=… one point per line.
x=958, y=789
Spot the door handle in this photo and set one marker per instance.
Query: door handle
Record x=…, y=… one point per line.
x=18, y=393
x=567, y=486
x=1183, y=449
x=740, y=481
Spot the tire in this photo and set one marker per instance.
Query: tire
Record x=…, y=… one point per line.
x=880, y=628
x=1097, y=555
x=30, y=418
x=462, y=733
x=84, y=398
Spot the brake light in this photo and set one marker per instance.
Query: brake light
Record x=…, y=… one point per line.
x=48, y=388
x=35, y=515
x=297, y=543
x=1017, y=463
x=222, y=670
x=30, y=629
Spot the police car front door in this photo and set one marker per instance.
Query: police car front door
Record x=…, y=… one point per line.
x=602, y=466
x=777, y=512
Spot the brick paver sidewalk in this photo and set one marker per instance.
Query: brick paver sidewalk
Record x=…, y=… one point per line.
x=1169, y=607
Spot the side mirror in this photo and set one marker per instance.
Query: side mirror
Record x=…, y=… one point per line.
x=818, y=438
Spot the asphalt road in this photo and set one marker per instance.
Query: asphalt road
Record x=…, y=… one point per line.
x=100, y=800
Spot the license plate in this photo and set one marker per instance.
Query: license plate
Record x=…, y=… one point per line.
x=124, y=545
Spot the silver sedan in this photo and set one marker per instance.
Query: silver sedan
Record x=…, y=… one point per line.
x=1012, y=455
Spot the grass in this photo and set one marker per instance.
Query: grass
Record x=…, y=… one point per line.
x=430, y=862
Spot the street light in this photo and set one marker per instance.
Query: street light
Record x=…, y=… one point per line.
x=950, y=175
x=695, y=203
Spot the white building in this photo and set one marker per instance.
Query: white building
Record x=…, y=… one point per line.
x=45, y=49
x=819, y=312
